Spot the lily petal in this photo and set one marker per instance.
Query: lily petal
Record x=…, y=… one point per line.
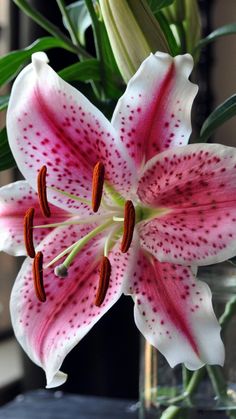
x=15, y=199
x=48, y=331
x=154, y=112
x=174, y=313
x=51, y=123
x=196, y=185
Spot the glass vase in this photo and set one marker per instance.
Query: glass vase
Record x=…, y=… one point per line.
x=209, y=393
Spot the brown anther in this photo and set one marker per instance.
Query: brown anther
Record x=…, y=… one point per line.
x=129, y=223
x=42, y=192
x=104, y=279
x=38, y=277
x=28, y=232
x=97, y=185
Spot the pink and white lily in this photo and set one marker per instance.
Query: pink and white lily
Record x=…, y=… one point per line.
x=183, y=197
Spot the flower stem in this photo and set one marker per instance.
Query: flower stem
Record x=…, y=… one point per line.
x=95, y=26
x=171, y=412
x=50, y=27
x=186, y=376
x=218, y=382
x=230, y=310
x=215, y=373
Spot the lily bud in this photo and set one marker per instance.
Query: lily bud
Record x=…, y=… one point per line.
x=184, y=17
x=193, y=24
x=133, y=33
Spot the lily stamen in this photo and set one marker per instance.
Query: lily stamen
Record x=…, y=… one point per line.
x=42, y=192
x=28, y=232
x=85, y=220
x=74, y=197
x=97, y=185
x=129, y=223
x=38, y=277
x=104, y=280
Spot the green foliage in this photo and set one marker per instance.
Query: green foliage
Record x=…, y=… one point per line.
x=229, y=29
x=48, y=26
x=4, y=102
x=82, y=71
x=220, y=115
x=80, y=19
x=12, y=63
x=6, y=161
x=165, y=27
x=156, y=5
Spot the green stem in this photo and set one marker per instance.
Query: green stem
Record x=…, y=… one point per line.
x=191, y=387
x=97, y=41
x=171, y=412
x=218, y=381
x=230, y=310
x=182, y=36
x=70, y=26
x=186, y=376
x=95, y=25
x=214, y=372
x=50, y=27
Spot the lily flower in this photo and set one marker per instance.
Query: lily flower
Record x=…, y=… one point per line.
x=145, y=209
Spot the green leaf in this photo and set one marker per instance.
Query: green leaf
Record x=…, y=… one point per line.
x=48, y=26
x=220, y=115
x=165, y=27
x=91, y=70
x=80, y=19
x=82, y=71
x=4, y=102
x=6, y=158
x=228, y=29
x=11, y=63
x=110, y=75
x=156, y=5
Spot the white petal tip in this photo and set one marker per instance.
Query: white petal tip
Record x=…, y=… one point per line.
x=39, y=58
x=57, y=380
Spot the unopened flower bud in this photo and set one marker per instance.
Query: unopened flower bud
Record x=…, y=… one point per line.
x=133, y=32
x=184, y=18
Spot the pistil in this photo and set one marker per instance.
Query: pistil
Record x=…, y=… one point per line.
x=38, y=277
x=104, y=280
x=129, y=223
x=42, y=192
x=77, y=247
x=97, y=185
x=28, y=232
